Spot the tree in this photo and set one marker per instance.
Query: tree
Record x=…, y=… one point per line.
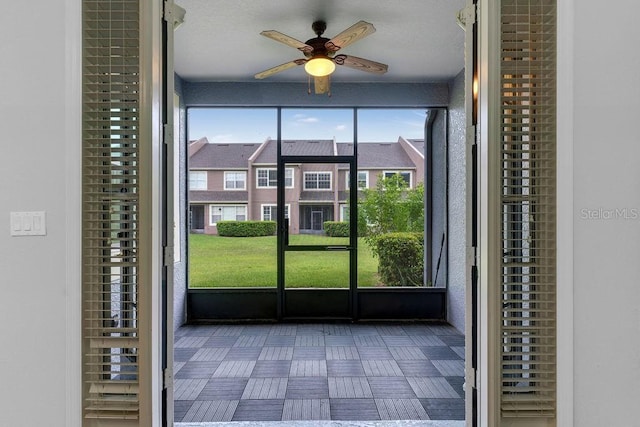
x=391, y=207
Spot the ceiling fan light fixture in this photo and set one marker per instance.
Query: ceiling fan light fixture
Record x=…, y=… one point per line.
x=319, y=66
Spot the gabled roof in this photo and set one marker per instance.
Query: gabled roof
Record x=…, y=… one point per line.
x=379, y=155
x=290, y=147
x=222, y=156
x=418, y=143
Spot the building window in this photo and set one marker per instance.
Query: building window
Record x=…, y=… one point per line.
x=197, y=180
x=270, y=212
x=344, y=213
x=317, y=180
x=406, y=175
x=268, y=178
x=363, y=179
x=227, y=213
x=235, y=180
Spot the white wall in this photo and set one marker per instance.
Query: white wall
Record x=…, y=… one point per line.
x=606, y=175
x=39, y=170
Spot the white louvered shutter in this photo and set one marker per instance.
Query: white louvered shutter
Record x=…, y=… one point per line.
x=528, y=193
x=111, y=100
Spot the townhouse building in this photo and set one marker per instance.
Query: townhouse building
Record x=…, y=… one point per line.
x=238, y=181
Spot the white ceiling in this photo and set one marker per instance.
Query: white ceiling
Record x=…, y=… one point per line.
x=220, y=39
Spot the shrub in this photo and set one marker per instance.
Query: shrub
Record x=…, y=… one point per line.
x=336, y=228
x=246, y=228
x=401, y=258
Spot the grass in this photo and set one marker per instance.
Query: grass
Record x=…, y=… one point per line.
x=216, y=261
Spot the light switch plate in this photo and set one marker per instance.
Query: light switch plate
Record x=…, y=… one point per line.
x=28, y=223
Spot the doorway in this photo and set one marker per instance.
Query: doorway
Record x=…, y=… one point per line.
x=317, y=266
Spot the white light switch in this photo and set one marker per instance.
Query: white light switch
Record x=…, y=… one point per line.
x=28, y=224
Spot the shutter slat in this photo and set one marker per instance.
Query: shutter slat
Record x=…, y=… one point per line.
x=527, y=232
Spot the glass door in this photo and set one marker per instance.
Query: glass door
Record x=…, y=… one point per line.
x=316, y=248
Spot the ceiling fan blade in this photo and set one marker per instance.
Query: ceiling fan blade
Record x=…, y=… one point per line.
x=352, y=34
x=289, y=41
x=281, y=67
x=321, y=84
x=361, y=64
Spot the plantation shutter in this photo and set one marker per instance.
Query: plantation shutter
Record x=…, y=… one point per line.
x=528, y=192
x=111, y=115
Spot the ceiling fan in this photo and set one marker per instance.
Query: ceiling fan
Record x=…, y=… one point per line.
x=320, y=53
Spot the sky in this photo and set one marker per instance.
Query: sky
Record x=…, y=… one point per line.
x=254, y=125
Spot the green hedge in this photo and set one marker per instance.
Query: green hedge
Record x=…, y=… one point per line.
x=336, y=228
x=246, y=228
x=401, y=259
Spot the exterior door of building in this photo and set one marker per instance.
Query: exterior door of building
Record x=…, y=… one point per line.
x=316, y=220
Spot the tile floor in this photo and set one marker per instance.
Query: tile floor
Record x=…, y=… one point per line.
x=329, y=371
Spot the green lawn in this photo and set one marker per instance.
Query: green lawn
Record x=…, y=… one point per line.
x=251, y=261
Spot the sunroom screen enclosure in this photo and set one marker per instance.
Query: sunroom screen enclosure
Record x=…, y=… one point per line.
x=301, y=180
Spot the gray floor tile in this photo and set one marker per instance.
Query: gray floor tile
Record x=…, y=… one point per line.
x=354, y=410
x=432, y=387
x=271, y=369
x=177, y=366
x=276, y=353
x=188, y=389
x=374, y=353
x=234, y=368
x=449, y=368
x=401, y=409
x=211, y=411
x=336, y=329
x=368, y=341
x=250, y=341
x=444, y=409
x=199, y=330
x=427, y=340
x=453, y=340
x=418, y=368
x=310, y=329
x=457, y=382
x=349, y=387
x=192, y=370
x=398, y=341
x=442, y=329
x=309, y=341
x=459, y=351
x=288, y=330
x=243, y=353
x=183, y=354
x=259, y=410
x=306, y=409
x=345, y=368
x=363, y=330
x=216, y=341
x=391, y=330
x=342, y=353
x=308, y=368
x=209, y=354
x=439, y=353
x=223, y=388
x=407, y=353
x=381, y=368
x=307, y=387
x=228, y=330
x=280, y=341
x=309, y=353
x=416, y=329
x=180, y=408
x=398, y=387
x=190, y=342
x=265, y=388
x=339, y=340
x=257, y=330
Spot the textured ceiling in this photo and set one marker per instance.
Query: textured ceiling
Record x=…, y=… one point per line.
x=220, y=39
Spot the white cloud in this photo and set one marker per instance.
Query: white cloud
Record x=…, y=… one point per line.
x=341, y=127
x=223, y=139
x=308, y=120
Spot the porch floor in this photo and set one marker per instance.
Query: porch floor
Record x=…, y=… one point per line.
x=319, y=371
